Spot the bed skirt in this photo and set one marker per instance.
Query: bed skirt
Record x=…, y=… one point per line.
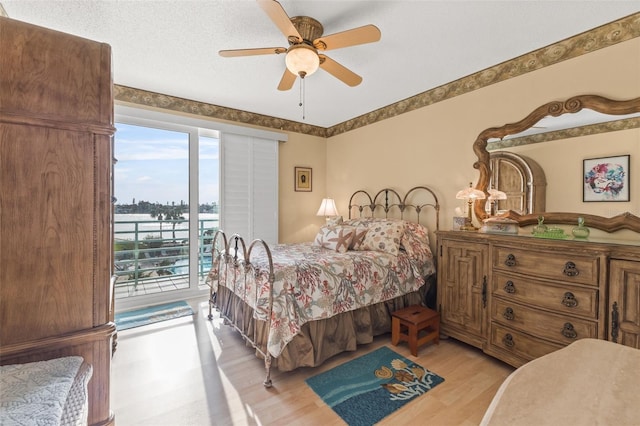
x=319, y=340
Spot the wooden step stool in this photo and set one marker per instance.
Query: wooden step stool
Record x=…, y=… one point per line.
x=408, y=323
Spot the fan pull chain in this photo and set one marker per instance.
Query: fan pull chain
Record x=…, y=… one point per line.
x=302, y=93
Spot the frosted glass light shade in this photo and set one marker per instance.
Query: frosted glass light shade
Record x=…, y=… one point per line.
x=470, y=193
x=495, y=194
x=327, y=208
x=302, y=60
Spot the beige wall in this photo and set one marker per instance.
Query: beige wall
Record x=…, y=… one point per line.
x=432, y=146
x=297, y=212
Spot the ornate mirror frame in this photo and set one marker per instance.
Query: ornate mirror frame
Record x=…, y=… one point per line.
x=555, y=109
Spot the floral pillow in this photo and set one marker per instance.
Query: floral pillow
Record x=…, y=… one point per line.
x=336, y=238
x=415, y=242
x=383, y=236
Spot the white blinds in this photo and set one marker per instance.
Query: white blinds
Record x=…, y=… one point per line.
x=249, y=182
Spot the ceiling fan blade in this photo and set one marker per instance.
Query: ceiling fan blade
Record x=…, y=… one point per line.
x=353, y=37
x=287, y=80
x=279, y=17
x=252, y=52
x=340, y=72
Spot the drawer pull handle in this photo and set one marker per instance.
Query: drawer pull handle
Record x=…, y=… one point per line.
x=568, y=331
x=569, y=300
x=615, y=317
x=570, y=269
x=509, y=287
x=508, y=340
x=484, y=291
x=510, y=260
x=508, y=314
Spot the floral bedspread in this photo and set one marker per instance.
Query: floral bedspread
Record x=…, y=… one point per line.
x=313, y=283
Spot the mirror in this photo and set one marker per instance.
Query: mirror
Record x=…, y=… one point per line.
x=522, y=181
x=553, y=109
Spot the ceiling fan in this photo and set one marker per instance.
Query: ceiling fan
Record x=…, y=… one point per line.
x=304, y=35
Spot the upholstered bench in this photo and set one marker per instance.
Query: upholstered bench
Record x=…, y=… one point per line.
x=52, y=392
x=416, y=325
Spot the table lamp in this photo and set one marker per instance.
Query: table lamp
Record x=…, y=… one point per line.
x=494, y=196
x=327, y=208
x=470, y=194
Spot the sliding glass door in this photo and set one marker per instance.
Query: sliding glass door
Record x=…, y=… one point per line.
x=177, y=180
x=161, y=228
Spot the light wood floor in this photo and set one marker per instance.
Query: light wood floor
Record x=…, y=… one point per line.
x=192, y=371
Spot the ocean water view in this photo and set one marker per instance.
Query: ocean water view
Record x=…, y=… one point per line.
x=125, y=226
x=150, y=256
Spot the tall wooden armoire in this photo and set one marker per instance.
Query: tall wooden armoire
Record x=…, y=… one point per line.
x=56, y=129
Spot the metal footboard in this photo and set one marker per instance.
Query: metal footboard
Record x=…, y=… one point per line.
x=233, y=254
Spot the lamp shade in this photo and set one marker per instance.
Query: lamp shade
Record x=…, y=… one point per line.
x=302, y=60
x=327, y=208
x=470, y=193
x=495, y=194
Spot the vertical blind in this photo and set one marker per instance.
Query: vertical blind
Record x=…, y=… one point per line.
x=249, y=182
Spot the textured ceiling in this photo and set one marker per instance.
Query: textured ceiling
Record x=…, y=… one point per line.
x=171, y=47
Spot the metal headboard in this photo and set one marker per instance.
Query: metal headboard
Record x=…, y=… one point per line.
x=389, y=200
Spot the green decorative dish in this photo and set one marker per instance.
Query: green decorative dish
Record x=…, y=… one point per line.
x=553, y=233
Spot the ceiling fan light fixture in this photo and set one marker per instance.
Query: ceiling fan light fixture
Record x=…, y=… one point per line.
x=302, y=60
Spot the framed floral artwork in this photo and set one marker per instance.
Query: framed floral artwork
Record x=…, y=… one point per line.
x=302, y=179
x=606, y=179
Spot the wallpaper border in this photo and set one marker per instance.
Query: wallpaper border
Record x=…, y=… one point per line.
x=593, y=129
x=598, y=38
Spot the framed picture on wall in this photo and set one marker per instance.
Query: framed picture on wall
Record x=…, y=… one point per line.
x=302, y=179
x=606, y=179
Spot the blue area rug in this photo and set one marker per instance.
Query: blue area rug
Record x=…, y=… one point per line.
x=152, y=314
x=365, y=390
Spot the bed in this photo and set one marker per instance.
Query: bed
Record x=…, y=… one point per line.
x=300, y=304
x=589, y=382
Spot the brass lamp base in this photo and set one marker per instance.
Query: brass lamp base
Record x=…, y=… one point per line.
x=468, y=223
x=468, y=226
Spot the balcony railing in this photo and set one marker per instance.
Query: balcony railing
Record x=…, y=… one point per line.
x=152, y=251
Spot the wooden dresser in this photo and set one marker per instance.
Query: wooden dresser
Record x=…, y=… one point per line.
x=56, y=127
x=520, y=297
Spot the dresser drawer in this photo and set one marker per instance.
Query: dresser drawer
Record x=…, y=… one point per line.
x=520, y=344
x=566, y=299
x=559, y=265
x=563, y=329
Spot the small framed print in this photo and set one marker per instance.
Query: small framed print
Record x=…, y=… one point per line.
x=606, y=179
x=302, y=179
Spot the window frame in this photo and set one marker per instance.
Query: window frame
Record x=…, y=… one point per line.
x=195, y=127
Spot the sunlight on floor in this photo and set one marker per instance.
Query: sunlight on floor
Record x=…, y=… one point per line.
x=241, y=412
